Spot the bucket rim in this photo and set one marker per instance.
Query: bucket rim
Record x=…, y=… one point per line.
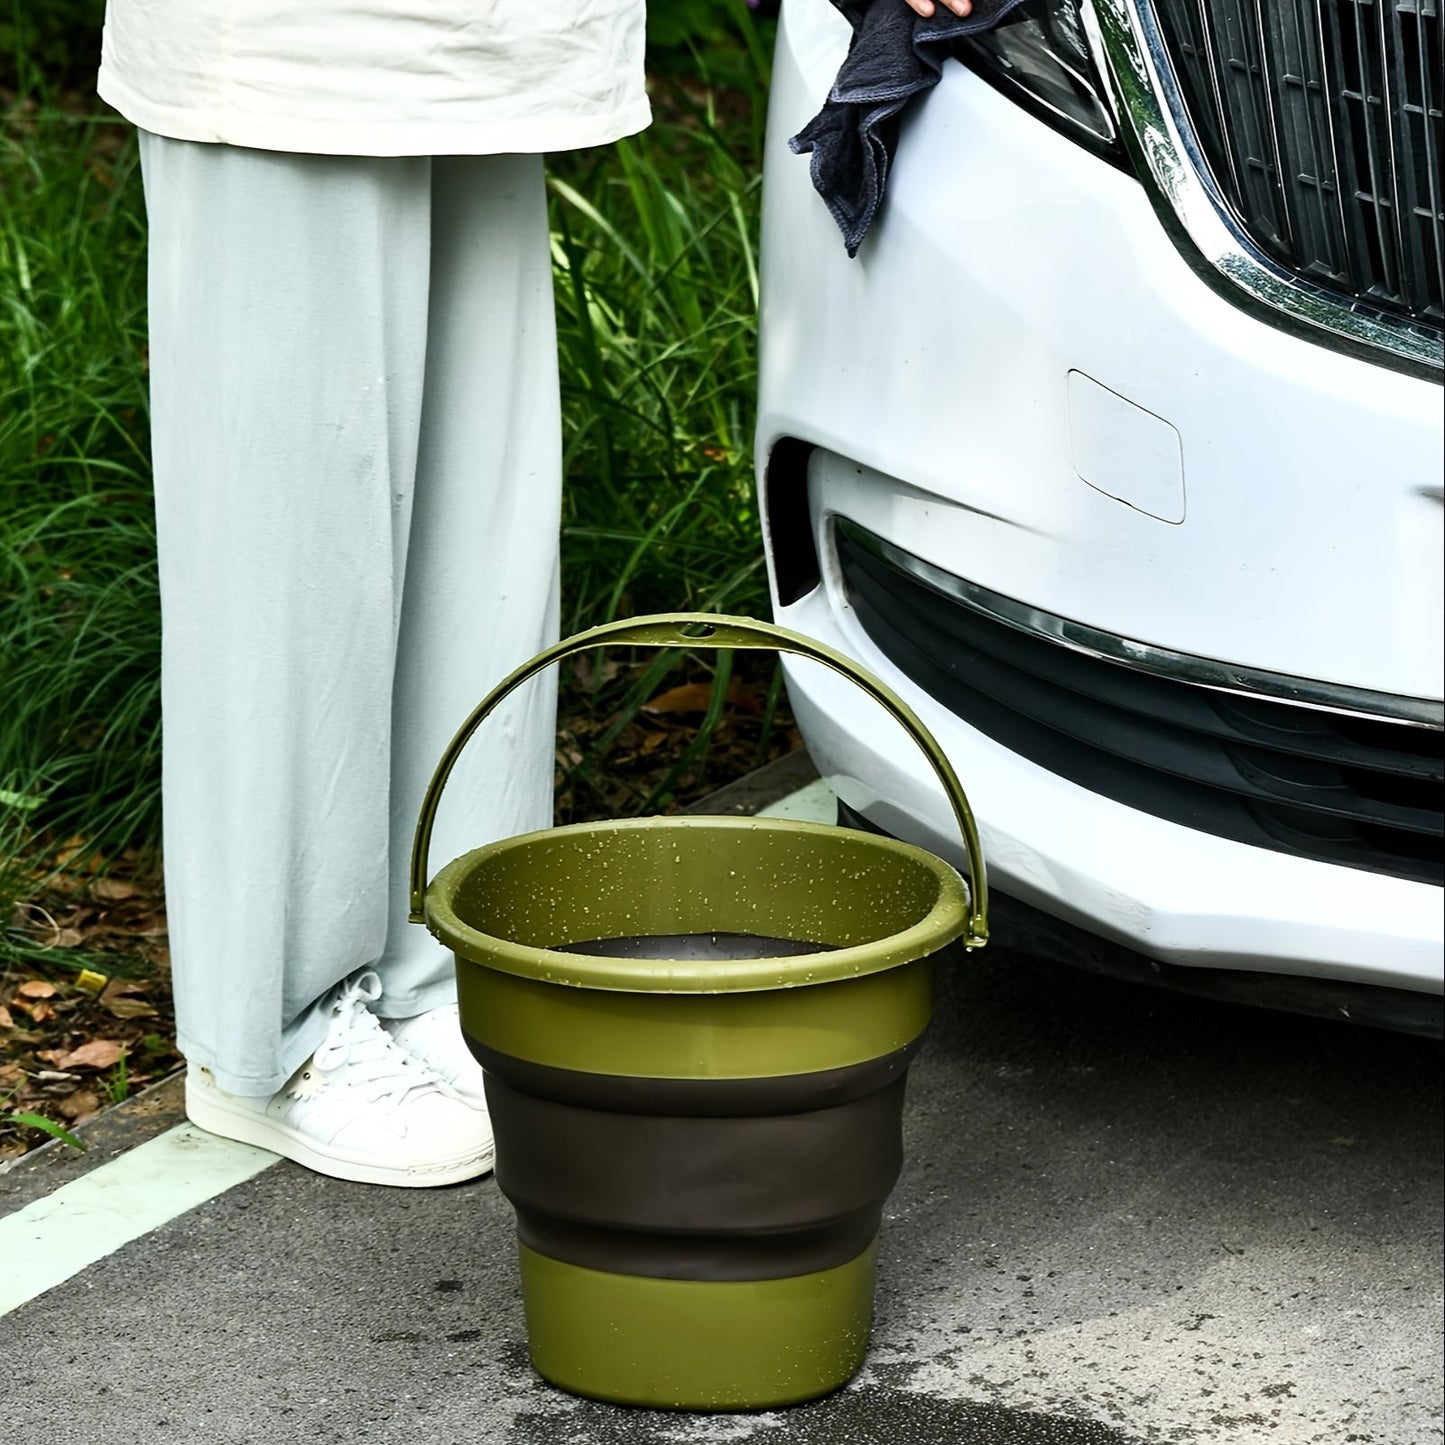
x=946, y=921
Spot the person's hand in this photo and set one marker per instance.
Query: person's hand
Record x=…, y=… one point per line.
x=926, y=8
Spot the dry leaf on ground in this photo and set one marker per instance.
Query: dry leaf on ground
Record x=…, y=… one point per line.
x=74, y=855
x=122, y=988
x=113, y=890
x=690, y=697
x=97, y=1054
x=592, y=675
x=79, y=1105
x=124, y=999
x=697, y=697
x=130, y=1008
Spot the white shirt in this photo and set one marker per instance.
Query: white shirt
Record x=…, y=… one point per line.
x=368, y=77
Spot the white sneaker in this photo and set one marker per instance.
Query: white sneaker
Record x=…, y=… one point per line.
x=435, y=1038
x=359, y=1108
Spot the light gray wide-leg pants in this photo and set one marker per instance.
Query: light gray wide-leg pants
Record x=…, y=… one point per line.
x=357, y=471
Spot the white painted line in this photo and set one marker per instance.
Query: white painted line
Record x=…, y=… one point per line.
x=56, y=1237
x=814, y=804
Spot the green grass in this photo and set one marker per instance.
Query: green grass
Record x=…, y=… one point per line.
x=656, y=274
x=79, y=724
x=656, y=271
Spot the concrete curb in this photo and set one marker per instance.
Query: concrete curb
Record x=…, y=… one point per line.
x=110, y=1133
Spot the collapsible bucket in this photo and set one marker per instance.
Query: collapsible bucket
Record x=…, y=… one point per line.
x=696, y=1032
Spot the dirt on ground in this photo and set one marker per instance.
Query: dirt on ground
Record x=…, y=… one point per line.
x=85, y=1006
x=85, y=1001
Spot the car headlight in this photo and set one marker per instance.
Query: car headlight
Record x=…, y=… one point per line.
x=1039, y=57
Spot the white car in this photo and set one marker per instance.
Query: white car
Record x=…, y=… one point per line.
x=1117, y=452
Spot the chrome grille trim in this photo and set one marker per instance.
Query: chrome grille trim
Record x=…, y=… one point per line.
x=1146, y=657
x=1350, y=200
x=1154, y=129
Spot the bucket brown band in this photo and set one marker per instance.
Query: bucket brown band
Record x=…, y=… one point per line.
x=698, y=1179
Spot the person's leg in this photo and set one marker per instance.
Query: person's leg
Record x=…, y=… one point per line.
x=481, y=576
x=481, y=571
x=287, y=337
x=288, y=314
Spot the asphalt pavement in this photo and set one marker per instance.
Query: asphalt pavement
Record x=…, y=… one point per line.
x=1126, y=1218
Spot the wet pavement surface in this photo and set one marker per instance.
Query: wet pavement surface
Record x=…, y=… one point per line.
x=1126, y=1217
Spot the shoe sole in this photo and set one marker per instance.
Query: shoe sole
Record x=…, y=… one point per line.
x=206, y=1110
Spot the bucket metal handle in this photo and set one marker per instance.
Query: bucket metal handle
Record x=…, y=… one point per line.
x=713, y=630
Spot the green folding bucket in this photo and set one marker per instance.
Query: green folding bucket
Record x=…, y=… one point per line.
x=696, y=1033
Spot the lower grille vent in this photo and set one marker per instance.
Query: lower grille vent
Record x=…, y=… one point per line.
x=1364, y=793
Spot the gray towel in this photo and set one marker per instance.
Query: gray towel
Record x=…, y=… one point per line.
x=894, y=55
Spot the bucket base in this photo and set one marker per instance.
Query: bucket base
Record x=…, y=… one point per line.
x=697, y=1344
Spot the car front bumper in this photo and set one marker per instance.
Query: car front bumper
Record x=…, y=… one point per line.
x=1021, y=381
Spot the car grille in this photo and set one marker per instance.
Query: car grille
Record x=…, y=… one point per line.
x=1320, y=121
x=1363, y=792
